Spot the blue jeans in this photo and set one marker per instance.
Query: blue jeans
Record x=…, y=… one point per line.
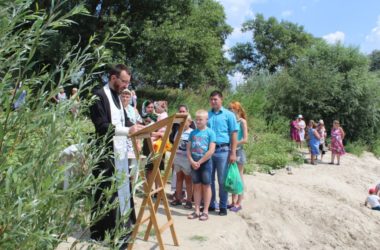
x=219, y=162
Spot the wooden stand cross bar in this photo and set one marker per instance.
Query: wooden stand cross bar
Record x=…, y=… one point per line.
x=157, y=178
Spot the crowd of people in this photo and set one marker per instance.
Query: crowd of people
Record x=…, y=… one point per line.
x=208, y=144
x=315, y=136
x=203, y=154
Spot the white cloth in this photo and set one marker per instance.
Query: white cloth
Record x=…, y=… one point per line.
x=134, y=117
x=69, y=155
x=301, y=132
x=61, y=96
x=120, y=152
x=373, y=200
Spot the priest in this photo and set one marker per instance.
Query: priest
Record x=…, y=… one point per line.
x=110, y=119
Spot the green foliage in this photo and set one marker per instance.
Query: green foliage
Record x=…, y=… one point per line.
x=376, y=148
x=183, y=45
x=330, y=82
x=357, y=148
x=194, y=99
x=272, y=150
x=275, y=44
x=167, y=42
x=36, y=212
x=374, y=58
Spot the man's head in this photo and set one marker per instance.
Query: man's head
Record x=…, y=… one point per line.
x=201, y=117
x=119, y=78
x=216, y=100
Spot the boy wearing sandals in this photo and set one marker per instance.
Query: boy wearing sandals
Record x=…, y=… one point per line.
x=200, y=148
x=182, y=168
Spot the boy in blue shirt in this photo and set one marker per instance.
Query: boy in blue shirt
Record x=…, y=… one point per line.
x=200, y=148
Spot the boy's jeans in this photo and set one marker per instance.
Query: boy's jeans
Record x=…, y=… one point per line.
x=219, y=165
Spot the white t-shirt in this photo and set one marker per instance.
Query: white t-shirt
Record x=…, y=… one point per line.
x=183, y=142
x=373, y=200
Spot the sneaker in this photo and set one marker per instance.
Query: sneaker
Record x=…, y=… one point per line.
x=235, y=209
x=229, y=206
x=222, y=211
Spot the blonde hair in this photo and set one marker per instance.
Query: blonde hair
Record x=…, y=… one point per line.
x=202, y=113
x=313, y=124
x=127, y=91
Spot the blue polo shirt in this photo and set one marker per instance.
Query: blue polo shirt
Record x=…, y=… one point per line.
x=223, y=123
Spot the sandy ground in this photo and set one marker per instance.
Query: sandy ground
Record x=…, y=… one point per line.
x=318, y=207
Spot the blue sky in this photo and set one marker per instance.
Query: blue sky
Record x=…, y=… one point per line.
x=353, y=22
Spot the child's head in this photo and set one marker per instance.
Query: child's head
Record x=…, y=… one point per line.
x=237, y=109
x=201, y=117
x=372, y=191
x=161, y=106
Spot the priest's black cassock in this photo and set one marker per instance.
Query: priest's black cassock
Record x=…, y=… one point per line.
x=105, y=113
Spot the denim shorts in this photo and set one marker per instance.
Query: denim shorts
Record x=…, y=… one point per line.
x=202, y=174
x=241, y=159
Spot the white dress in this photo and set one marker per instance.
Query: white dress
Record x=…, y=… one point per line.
x=302, y=126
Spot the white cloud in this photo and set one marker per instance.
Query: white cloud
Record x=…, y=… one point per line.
x=372, y=40
x=335, y=37
x=236, y=79
x=287, y=13
x=238, y=11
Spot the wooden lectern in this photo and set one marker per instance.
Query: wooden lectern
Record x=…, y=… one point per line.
x=157, y=178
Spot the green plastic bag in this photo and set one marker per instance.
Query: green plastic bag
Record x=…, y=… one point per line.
x=233, y=182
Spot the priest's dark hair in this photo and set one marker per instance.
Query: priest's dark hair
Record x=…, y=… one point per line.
x=116, y=70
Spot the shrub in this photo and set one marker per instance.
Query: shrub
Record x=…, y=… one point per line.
x=36, y=212
x=271, y=150
x=375, y=149
x=357, y=148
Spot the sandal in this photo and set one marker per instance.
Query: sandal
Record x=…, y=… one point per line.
x=193, y=215
x=188, y=205
x=176, y=202
x=203, y=217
